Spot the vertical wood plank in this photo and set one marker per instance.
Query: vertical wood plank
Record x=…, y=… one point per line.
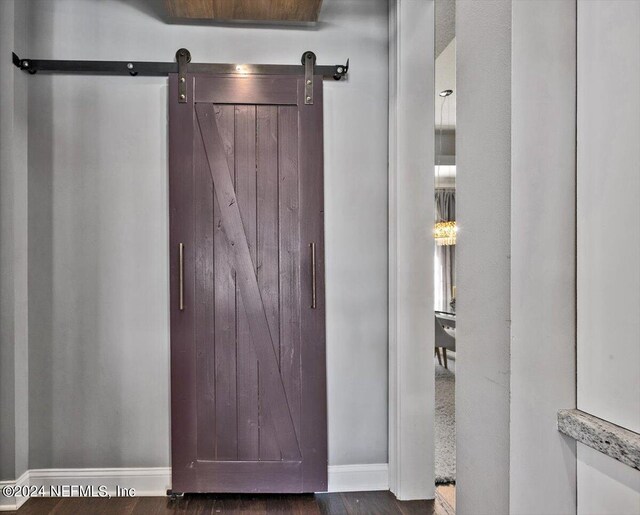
x=225, y=312
x=183, y=373
x=289, y=234
x=313, y=418
x=204, y=302
x=267, y=251
x=247, y=378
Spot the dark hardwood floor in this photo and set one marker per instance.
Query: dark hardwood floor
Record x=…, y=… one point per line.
x=369, y=503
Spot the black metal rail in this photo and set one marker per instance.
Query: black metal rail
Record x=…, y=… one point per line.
x=158, y=69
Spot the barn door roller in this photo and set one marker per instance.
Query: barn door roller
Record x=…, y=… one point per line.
x=183, y=65
x=309, y=62
x=183, y=56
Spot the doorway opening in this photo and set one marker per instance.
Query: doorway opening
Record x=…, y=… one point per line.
x=445, y=235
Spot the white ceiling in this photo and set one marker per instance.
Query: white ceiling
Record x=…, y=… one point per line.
x=446, y=79
x=445, y=24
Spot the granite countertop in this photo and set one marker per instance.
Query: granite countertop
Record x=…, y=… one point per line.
x=610, y=439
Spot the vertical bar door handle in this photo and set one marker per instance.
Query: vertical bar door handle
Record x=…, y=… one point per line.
x=313, y=275
x=181, y=258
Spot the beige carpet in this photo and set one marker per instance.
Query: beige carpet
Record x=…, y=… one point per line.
x=445, y=423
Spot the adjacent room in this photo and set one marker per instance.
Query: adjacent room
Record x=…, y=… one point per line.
x=444, y=260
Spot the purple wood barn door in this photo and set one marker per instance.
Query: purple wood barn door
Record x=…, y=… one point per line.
x=248, y=386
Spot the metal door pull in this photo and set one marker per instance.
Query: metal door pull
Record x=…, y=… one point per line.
x=181, y=254
x=313, y=275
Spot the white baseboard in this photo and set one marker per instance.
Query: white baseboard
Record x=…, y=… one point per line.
x=146, y=482
x=155, y=481
x=13, y=503
x=358, y=478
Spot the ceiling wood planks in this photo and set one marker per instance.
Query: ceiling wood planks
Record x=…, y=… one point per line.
x=246, y=10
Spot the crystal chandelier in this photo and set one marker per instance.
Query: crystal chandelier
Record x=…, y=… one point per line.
x=444, y=232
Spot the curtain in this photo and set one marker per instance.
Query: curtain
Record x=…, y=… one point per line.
x=445, y=255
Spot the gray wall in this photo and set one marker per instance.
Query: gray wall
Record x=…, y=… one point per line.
x=7, y=381
x=99, y=340
x=608, y=243
x=543, y=305
x=609, y=211
x=483, y=157
x=445, y=149
x=13, y=246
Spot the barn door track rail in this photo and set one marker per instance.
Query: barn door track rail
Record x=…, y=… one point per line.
x=183, y=65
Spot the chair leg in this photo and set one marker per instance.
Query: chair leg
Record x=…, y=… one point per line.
x=439, y=357
x=444, y=357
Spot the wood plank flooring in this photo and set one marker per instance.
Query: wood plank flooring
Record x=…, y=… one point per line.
x=366, y=503
x=446, y=498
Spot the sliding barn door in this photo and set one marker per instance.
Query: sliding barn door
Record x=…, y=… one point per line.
x=248, y=386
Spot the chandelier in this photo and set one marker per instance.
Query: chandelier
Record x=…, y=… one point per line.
x=445, y=233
